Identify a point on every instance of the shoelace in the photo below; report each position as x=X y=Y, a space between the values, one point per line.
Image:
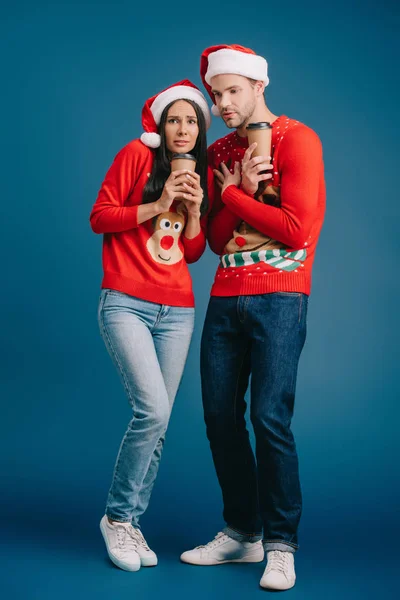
x=277 y=561
x=138 y=537
x=219 y=538
x=124 y=539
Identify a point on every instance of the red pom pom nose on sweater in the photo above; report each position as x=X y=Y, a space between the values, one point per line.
x=167 y=242
x=240 y=241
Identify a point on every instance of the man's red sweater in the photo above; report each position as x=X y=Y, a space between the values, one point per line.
x=287 y=234
x=147 y=260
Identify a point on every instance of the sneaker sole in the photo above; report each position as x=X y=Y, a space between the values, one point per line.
x=149 y=562
x=211 y=563
x=117 y=563
x=277 y=589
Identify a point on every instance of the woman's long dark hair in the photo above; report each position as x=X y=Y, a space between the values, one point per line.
x=162 y=168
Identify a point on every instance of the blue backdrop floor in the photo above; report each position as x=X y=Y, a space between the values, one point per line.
x=65 y=559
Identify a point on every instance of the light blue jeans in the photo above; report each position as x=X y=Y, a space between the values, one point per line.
x=148 y=344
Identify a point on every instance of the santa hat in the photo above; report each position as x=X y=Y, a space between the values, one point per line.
x=233 y=59
x=152 y=110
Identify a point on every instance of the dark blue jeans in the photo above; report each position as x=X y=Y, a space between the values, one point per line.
x=261 y=335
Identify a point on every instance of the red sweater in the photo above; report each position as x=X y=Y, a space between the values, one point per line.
x=149 y=260
x=266 y=248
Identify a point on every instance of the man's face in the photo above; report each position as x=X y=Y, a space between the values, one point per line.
x=235 y=98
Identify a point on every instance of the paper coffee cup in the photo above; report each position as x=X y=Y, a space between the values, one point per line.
x=183 y=161
x=262 y=134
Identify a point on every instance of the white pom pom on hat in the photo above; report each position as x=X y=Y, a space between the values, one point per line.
x=152 y=110
x=152 y=140
x=233 y=59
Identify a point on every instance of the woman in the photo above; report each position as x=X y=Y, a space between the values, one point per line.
x=153 y=221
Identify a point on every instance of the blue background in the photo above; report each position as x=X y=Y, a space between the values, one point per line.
x=74 y=79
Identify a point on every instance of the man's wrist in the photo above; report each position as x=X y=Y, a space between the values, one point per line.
x=243 y=189
x=226 y=187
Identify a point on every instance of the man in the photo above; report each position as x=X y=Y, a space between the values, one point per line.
x=256 y=319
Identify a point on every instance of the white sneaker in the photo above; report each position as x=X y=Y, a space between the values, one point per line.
x=279 y=573
x=223 y=549
x=121 y=544
x=148 y=558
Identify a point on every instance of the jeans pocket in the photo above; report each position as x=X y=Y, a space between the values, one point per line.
x=303 y=307
x=294 y=294
x=111 y=292
x=293 y=305
x=100 y=305
x=114 y=300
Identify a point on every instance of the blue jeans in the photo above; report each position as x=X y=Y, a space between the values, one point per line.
x=148 y=344
x=261 y=335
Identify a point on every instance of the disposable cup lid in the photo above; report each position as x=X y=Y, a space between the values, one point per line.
x=187 y=156
x=260 y=125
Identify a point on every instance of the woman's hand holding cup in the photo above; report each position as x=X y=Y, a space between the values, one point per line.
x=193 y=194
x=173 y=189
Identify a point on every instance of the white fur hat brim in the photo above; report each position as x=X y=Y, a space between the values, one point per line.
x=180 y=92
x=227 y=61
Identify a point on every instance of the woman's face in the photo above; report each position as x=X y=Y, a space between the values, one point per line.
x=181 y=127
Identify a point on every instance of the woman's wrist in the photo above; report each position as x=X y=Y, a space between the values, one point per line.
x=194 y=216
x=158 y=208
x=149 y=211
x=193 y=227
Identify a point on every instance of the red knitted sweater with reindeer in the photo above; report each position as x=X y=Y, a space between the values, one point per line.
x=267 y=244
x=147 y=260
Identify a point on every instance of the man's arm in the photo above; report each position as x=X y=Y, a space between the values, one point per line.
x=221 y=226
x=300 y=166
x=222 y=221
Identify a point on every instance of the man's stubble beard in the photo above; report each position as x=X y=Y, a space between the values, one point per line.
x=244 y=116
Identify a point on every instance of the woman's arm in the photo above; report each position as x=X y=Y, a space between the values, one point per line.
x=194 y=235
x=109 y=213
x=194 y=243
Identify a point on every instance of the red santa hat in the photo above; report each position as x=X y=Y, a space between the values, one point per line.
x=233 y=59
x=152 y=110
